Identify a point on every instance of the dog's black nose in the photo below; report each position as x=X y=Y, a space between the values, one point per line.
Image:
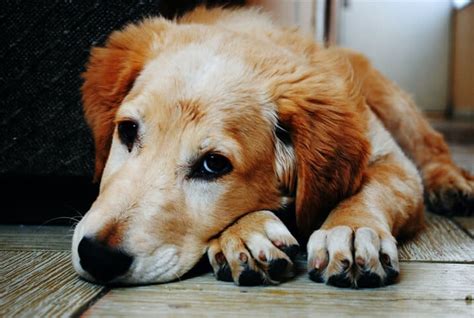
x=101 y=261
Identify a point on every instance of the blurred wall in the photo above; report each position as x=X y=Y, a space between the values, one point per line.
x=408 y=40
x=463 y=60
x=301 y=13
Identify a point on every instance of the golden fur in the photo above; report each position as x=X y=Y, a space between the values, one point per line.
x=223 y=80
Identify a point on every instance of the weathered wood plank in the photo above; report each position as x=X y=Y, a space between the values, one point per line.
x=35 y=237
x=466 y=223
x=440 y=241
x=425 y=289
x=464 y=157
x=41 y=284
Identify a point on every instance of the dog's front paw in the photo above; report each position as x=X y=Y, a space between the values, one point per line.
x=257 y=249
x=448 y=189
x=344 y=258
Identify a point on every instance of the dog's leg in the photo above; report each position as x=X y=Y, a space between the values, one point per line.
x=448 y=188
x=356 y=244
x=257 y=249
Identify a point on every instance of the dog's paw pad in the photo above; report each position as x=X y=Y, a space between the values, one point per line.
x=392 y=275
x=224 y=273
x=369 y=279
x=340 y=280
x=316 y=276
x=277 y=269
x=249 y=277
x=291 y=250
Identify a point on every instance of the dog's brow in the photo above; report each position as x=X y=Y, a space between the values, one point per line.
x=128 y=114
x=191 y=109
x=130 y=107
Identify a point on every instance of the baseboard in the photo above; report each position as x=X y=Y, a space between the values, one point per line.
x=45 y=199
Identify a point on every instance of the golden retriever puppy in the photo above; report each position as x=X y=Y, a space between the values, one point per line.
x=209 y=126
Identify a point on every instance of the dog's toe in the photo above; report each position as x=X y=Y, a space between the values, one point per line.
x=250 y=277
x=392 y=275
x=316 y=276
x=368 y=279
x=291 y=250
x=330 y=256
x=224 y=273
x=277 y=269
x=340 y=280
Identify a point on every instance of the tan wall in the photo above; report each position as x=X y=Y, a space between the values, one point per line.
x=463 y=60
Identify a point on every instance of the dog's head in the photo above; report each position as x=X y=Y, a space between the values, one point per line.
x=195 y=127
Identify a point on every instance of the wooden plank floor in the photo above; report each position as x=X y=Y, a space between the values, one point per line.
x=437 y=280
x=37 y=279
x=425 y=289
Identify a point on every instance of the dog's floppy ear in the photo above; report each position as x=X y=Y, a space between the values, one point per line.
x=109 y=76
x=322 y=114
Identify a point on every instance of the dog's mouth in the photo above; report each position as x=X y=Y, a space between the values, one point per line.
x=200 y=268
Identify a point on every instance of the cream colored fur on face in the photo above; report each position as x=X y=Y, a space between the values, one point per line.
x=186 y=103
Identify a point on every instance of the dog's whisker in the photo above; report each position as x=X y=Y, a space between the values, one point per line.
x=74 y=219
x=79 y=214
x=178 y=278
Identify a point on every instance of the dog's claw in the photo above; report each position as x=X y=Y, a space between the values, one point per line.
x=224 y=273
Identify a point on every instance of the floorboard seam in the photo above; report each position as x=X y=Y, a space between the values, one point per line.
x=82 y=309
x=461 y=227
x=436 y=261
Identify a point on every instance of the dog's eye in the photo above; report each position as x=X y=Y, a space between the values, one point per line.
x=211 y=166
x=128 y=131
